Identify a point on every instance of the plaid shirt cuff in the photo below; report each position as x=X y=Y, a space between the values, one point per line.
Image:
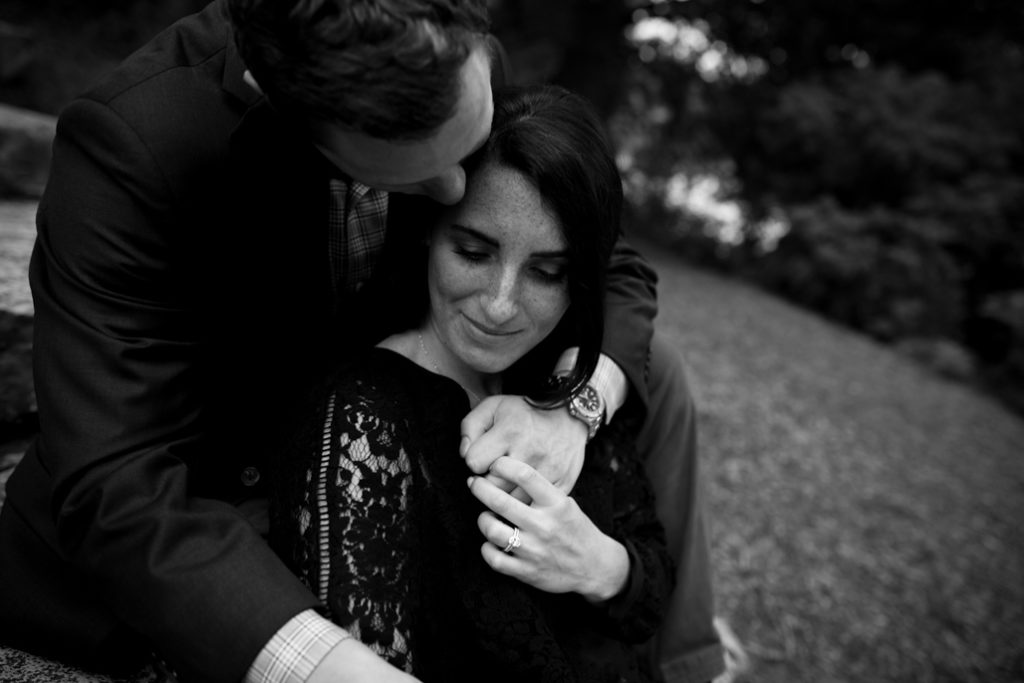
x=296 y=649
x=608 y=378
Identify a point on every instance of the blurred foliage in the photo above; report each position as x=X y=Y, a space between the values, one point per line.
x=577 y=43
x=878 y=270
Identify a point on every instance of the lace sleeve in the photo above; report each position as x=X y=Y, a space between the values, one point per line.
x=346 y=517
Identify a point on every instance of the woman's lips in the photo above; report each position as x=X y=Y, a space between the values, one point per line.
x=488 y=331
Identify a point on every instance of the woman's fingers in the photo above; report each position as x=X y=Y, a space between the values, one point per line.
x=505 y=563
x=498 y=501
x=539 y=489
x=501 y=535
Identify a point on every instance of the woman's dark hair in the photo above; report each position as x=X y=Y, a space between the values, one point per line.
x=555 y=139
x=386 y=68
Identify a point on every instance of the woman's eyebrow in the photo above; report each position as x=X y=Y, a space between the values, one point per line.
x=558 y=254
x=490 y=241
x=475 y=234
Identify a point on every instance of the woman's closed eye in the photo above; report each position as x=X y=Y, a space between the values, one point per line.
x=552 y=273
x=471 y=254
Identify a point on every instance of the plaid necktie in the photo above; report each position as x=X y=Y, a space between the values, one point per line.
x=357 y=222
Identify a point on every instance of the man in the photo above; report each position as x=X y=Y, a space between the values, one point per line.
x=213 y=213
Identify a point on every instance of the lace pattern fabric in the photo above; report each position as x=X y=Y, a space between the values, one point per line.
x=358 y=492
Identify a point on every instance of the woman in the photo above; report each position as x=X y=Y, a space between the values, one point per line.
x=452 y=578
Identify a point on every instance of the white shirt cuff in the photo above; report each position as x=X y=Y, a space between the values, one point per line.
x=296 y=649
x=608 y=378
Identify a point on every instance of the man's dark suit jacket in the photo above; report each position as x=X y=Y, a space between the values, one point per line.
x=182 y=298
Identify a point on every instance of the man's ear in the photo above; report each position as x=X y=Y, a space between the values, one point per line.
x=248 y=78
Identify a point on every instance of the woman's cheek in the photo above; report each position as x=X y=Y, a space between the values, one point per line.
x=548 y=305
x=453 y=278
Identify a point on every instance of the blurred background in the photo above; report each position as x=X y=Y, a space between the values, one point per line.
x=857 y=162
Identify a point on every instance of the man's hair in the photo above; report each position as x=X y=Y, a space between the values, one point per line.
x=387 y=68
x=555 y=139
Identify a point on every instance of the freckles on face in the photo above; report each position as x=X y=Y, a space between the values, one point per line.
x=497 y=271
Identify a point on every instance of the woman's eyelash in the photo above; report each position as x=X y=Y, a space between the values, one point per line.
x=470 y=254
x=558 y=275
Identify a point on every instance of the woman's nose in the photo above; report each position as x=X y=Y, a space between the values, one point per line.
x=503 y=299
x=448 y=187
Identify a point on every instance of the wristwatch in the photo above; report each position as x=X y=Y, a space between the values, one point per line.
x=588 y=407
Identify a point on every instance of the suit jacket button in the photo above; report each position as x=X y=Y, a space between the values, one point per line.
x=250 y=475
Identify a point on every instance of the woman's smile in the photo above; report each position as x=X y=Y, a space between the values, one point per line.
x=487 y=331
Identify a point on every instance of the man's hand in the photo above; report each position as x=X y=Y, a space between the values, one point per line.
x=352 y=662
x=550 y=441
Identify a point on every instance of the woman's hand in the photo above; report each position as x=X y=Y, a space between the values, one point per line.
x=560 y=549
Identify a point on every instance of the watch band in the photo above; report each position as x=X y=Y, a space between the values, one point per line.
x=588 y=407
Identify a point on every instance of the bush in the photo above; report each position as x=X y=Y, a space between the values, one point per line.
x=875 y=271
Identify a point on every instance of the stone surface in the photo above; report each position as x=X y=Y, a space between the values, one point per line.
x=17 y=234
x=18 y=46
x=25 y=141
x=21 y=667
x=8 y=462
x=18 y=418
x=17 y=396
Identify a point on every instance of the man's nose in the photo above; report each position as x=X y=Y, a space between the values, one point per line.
x=448 y=187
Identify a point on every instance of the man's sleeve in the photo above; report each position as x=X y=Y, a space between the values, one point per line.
x=636 y=613
x=296 y=649
x=630 y=308
x=121 y=407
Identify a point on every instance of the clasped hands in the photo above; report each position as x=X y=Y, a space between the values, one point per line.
x=529 y=459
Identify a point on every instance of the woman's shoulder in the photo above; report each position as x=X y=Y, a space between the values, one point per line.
x=389 y=399
x=391 y=380
x=376 y=367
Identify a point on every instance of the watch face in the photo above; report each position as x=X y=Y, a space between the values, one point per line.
x=588 y=407
x=588 y=401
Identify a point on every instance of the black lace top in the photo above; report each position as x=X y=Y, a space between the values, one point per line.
x=373 y=512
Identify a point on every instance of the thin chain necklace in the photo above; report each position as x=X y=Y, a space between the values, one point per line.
x=430 y=359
